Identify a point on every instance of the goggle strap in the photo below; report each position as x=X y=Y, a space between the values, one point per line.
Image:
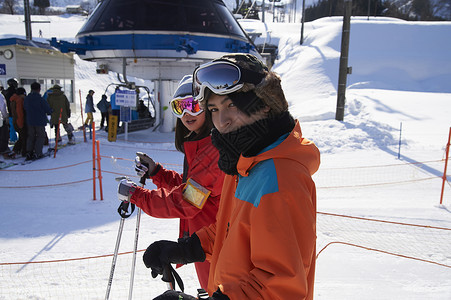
x=251 y=76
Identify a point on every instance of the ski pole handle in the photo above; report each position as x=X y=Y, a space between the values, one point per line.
x=123 y=209
x=142 y=181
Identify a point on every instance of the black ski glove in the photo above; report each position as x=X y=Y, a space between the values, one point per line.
x=161 y=254
x=145 y=166
x=176 y=295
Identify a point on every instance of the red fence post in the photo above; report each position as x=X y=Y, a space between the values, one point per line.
x=446 y=166
x=99 y=170
x=93 y=161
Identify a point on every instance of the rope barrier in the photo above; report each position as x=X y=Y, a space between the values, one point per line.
x=326 y=246
x=45 y=185
x=67 y=259
x=383 y=166
x=377 y=184
x=382 y=221
x=49 y=169
x=382 y=251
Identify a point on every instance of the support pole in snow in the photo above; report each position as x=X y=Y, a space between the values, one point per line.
x=27 y=20
x=446 y=166
x=344 y=70
x=302 y=22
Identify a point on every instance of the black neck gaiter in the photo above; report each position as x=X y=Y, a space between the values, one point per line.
x=249 y=140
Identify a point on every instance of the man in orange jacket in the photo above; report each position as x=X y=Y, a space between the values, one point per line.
x=262 y=245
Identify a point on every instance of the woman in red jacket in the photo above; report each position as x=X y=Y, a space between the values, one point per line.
x=194 y=195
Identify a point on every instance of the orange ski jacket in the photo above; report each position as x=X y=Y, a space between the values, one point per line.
x=262 y=245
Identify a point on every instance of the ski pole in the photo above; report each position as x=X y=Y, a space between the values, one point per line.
x=113 y=264
x=123 y=211
x=142 y=181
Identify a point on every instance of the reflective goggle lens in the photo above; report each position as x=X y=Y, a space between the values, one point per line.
x=219 y=77
x=187 y=104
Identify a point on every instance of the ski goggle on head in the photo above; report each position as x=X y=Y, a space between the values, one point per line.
x=222 y=78
x=183 y=105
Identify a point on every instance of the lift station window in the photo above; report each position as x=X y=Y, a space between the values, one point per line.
x=203 y=16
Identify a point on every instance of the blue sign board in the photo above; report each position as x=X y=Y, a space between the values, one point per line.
x=2 y=69
x=126 y=98
x=126 y=114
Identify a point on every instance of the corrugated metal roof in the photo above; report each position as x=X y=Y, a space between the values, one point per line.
x=23 y=42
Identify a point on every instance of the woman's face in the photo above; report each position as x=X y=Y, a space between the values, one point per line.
x=193 y=123
x=227 y=117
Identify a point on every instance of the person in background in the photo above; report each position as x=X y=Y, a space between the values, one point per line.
x=20 y=125
x=262 y=245
x=194 y=195
x=89 y=109
x=143 y=110
x=36 y=111
x=47 y=93
x=104 y=106
x=60 y=105
x=11 y=90
x=4 y=129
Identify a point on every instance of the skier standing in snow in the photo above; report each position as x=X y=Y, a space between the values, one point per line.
x=177 y=195
x=89 y=108
x=36 y=109
x=262 y=245
x=60 y=105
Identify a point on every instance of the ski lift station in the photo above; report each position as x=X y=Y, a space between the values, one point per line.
x=159 y=41
x=29 y=61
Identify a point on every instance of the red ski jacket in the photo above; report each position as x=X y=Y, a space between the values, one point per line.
x=167 y=202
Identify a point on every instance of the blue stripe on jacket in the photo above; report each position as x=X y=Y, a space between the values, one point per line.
x=262 y=179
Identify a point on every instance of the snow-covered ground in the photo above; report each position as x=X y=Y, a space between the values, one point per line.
x=401 y=74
